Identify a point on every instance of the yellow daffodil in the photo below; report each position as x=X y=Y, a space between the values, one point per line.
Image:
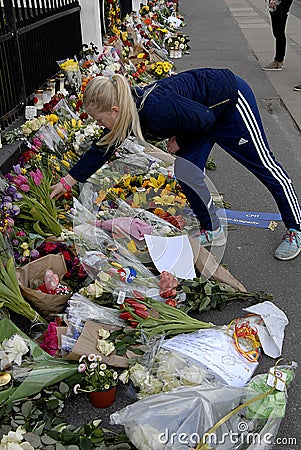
x=23 y=171
x=164 y=200
x=66 y=164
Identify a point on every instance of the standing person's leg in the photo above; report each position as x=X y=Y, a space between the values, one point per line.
x=243 y=137
x=278 y=21
x=189 y=171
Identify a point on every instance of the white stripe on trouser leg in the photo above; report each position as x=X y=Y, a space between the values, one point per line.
x=266 y=158
x=210 y=203
x=270 y=163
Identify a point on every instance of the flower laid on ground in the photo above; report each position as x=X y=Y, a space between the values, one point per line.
x=103 y=344
x=156 y=318
x=204 y=295
x=10 y=294
x=25 y=131
x=36 y=205
x=161 y=69
x=177 y=42
x=12 y=351
x=81 y=136
x=14 y=440
x=72 y=71
x=95 y=376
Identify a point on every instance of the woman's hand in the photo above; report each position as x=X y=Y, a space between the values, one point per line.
x=57 y=191
x=63 y=186
x=172 y=145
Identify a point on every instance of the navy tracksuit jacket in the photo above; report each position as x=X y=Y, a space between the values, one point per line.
x=202 y=107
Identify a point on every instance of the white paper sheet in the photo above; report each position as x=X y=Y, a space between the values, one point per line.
x=173 y=254
x=272 y=335
x=214 y=349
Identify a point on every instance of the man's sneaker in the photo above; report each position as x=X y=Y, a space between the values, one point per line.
x=275 y=65
x=297 y=87
x=290 y=246
x=215 y=238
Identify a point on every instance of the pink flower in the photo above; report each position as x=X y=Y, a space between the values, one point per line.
x=20 y=233
x=36 y=143
x=20 y=179
x=24 y=187
x=36 y=176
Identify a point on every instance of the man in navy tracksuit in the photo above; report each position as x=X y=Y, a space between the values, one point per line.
x=194 y=110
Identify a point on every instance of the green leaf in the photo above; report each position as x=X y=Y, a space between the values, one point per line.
x=59 y=446
x=26 y=409
x=47 y=440
x=85 y=443
x=64 y=388
x=33 y=439
x=137 y=351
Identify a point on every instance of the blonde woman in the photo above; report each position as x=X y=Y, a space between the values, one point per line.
x=193 y=110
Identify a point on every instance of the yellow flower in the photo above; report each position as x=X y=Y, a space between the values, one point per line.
x=66 y=164
x=38 y=157
x=140 y=55
x=52 y=118
x=26 y=253
x=24 y=246
x=23 y=171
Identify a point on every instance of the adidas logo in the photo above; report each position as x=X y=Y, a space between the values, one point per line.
x=242 y=141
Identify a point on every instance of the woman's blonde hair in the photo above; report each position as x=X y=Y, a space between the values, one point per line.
x=105 y=92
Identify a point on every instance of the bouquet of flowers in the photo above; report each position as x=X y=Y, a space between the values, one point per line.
x=161 y=69
x=72 y=72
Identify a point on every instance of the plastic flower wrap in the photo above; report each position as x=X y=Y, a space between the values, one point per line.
x=206 y=417
x=72 y=72
x=163 y=371
x=38 y=371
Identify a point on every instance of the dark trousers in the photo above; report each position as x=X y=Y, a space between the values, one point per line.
x=279 y=19
x=242 y=136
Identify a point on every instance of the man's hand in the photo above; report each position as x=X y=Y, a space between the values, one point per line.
x=172 y=146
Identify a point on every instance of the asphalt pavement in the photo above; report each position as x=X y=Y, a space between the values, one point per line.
x=236 y=34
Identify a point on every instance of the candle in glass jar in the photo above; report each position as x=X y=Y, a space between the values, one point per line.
x=47 y=94
x=38 y=98
x=51 y=83
x=60 y=82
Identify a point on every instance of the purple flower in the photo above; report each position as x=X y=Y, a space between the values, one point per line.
x=34 y=254
x=10 y=178
x=8 y=205
x=17 y=255
x=15 y=210
x=7 y=198
x=17 y=169
x=15 y=241
x=17 y=197
x=11 y=190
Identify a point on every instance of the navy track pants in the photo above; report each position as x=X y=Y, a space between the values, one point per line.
x=243 y=137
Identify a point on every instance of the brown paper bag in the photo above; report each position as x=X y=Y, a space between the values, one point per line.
x=32 y=275
x=86 y=343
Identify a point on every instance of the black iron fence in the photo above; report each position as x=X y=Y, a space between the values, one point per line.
x=34 y=34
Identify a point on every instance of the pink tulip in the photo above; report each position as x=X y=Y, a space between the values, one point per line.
x=24 y=187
